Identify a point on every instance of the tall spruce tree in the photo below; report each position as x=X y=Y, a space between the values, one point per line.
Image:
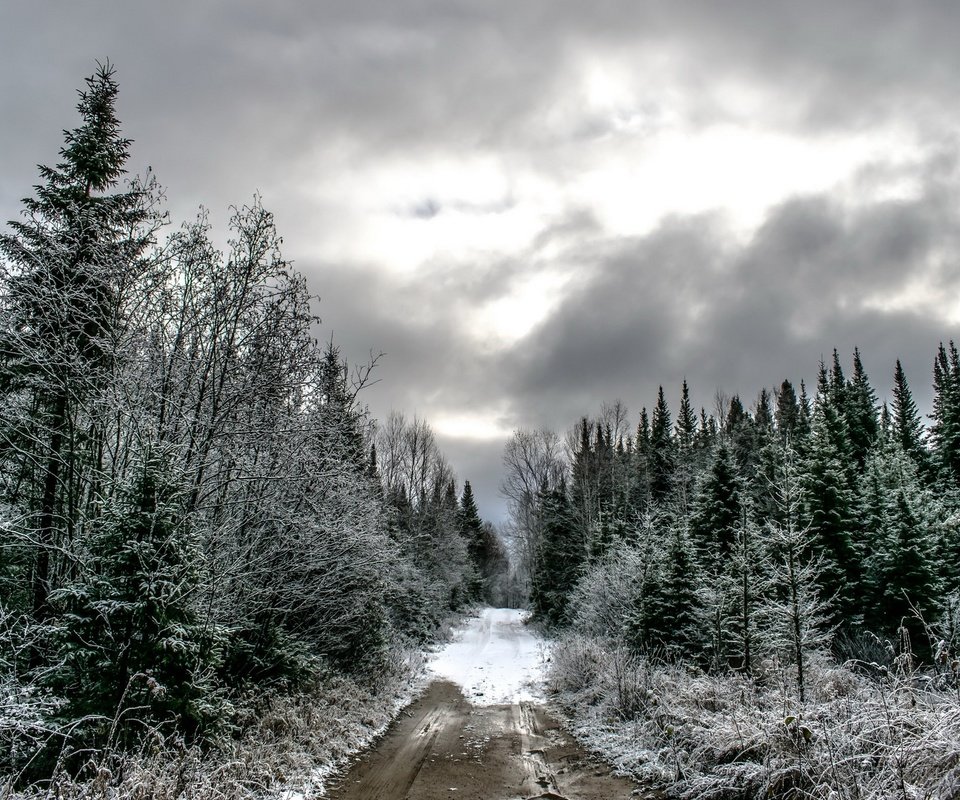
x=717 y=514
x=640 y=492
x=686 y=453
x=787 y=411
x=471 y=529
x=902 y=577
x=674 y=612
x=907 y=427
x=662 y=452
x=798 y=617
x=560 y=557
x=860 y=410
x=945 y=430
x=902 y=518
x=72 y=261
x=829 y=507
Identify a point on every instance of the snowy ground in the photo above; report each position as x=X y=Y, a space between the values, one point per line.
x=494 y=658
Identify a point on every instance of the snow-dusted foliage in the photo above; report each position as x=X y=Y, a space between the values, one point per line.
x=285 y=745
x=874 y=737
x=195 y=530
x=762 y=602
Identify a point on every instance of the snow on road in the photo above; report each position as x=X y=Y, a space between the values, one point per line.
x=494 y=658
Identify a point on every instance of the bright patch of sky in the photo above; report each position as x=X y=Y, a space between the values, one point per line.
x=476 y=426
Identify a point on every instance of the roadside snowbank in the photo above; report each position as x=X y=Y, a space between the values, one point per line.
x=494 y=658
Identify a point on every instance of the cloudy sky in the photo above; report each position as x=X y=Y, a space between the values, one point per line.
x=536 y=206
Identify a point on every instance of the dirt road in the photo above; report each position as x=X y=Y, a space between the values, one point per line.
x=501 y=746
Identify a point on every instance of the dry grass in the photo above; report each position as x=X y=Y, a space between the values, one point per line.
x=884 y=737
x=288 y=748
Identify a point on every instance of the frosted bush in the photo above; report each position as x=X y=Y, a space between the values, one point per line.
x=729 y=736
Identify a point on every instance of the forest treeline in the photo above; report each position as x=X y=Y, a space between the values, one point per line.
x=197 y=511
x=796 y=525
x=759 y=602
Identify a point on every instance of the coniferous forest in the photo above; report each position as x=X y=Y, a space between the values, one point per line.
x=217 y=569
x=203 y=532
x=761 y=600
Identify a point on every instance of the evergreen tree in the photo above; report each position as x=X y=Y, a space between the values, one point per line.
x=907 y=427
x=686 y=455
x=829 y=509
x=72 y=261
x=585 y=478
x=472 y=530
x=902 y=577
x=686 y=428
x=750 y=582
x=134 y=638
x=674 y=613
x=742 y=436
x=901 y=516
x=837 y=385
x=706 y=434
x=714 y=523
x=469 y=522
x=945 y=430
x=640 y=490
x=804 y=420
x=342 y=431
x=787 y=411
x=860 y=410
x=373 y=472
x=662 y=452
x=560 y=558
x=763 y=416
x=797 y=616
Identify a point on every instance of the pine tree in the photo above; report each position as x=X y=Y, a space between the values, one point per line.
x=750 y=581
x=560 y=558
x=640 y=491
x=686 y=455
x=742 y=436
x=902 y=576
x=134 y=638
x=718 y=511
x=907 y=427
x=797 y=616
x=584 y=483
x=674 y=613
x=804 y=420
x=72 y=262
x=373 y=471
x=686 y=428
x=787 y=411
x=829 y=508
x=901 y=516
x=860 y=410
x=837 y=385
x=945 y=430
x=662 y=452
x=342 y=430
x=706 y=434
x=471 y=529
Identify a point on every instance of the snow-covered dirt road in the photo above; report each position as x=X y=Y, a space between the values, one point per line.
x=480 y=732
x=495 y=658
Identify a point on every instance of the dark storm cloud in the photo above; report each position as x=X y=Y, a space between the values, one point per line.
x=686 y=301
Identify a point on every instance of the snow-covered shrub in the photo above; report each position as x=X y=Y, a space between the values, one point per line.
x=605 y=596
x=730 y=736
x=26 y=710
x=287 y=744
